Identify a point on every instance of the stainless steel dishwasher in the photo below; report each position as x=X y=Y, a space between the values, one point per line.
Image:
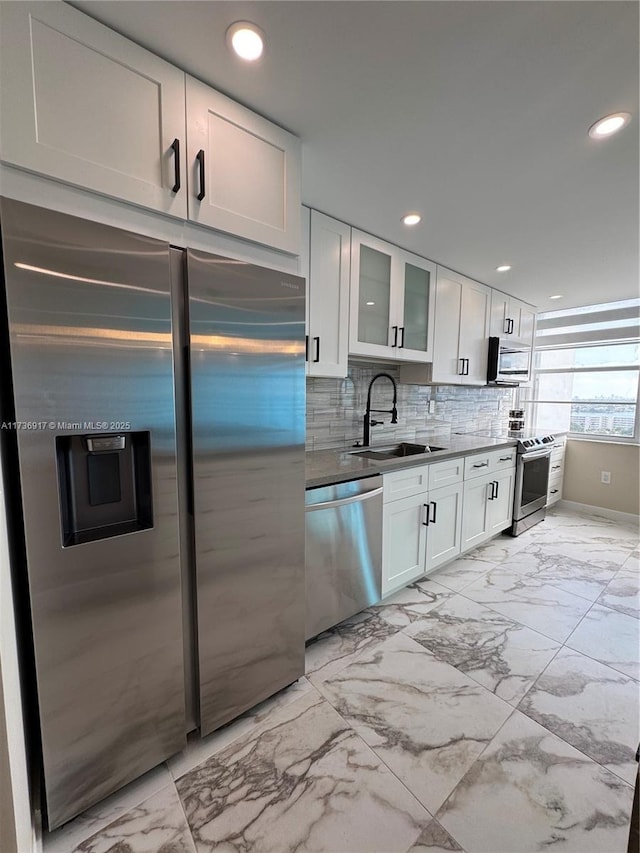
x=343 y=551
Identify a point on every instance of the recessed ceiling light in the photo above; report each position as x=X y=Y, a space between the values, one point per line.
x=503 y=268
x=371 y=303
x=608 y=125
x=246 y=40
x=411 y=218
x=557 y=296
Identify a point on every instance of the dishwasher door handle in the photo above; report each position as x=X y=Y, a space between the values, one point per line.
x=363 y=496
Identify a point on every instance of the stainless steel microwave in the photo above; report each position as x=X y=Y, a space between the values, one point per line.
x=508 y=363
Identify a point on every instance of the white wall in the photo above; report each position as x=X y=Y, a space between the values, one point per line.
x=585 y=460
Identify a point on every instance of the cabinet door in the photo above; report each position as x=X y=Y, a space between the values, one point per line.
x=328 y=296
x=474 y=326
x=474 y=512
x=373 y=267
x=403 y=542
x=444 y=533
x=499 y=327
x=526 y=322
x=415 y=307
x=86 y=106
x=446 y=365
x=500 y=507
x=244 y=171
x=303 y=270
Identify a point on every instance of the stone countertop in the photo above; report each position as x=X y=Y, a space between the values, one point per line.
x=326 y=467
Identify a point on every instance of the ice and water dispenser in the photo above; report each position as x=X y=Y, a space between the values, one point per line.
x=105 y=485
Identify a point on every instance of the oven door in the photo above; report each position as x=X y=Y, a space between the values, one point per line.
x=532 y=481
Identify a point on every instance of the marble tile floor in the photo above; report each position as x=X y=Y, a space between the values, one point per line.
x=491 y=708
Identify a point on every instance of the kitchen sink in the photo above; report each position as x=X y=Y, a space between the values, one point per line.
x=396 y=451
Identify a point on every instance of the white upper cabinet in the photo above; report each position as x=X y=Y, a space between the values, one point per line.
x=86 y=106
x=512 y=319
x=329 y=256
x=244 y=171
x=392 y=301
x=461 y=330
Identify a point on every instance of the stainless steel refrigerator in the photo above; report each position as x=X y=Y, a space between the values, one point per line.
x=154 y=427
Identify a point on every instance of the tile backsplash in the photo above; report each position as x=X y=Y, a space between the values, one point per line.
x=335 y=408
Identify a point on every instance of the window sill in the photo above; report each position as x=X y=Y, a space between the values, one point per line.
x=603 y=439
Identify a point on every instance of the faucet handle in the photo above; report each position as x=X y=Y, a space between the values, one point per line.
x=394 y=415
x=376 y=423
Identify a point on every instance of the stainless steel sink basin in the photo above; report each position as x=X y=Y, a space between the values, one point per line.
x=396 y=451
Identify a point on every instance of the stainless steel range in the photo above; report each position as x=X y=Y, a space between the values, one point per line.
x=532 y=481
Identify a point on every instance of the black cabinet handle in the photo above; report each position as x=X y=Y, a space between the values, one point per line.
x=306 y=347
x=497 y=488
x=505 y=325
x=466 y=373
x=200 y=159
x=401 y=337
x=511 y=324
x=434 y=505
x=480 y=465
x=461 y=371
x=317 y=358
x=175 y=145
x=554 y=491
x=505 y=459
x=395 y=336
x=491 y=494
x=555 y=467
x=426 y=523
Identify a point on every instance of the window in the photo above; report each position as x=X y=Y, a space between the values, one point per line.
x=587 y=371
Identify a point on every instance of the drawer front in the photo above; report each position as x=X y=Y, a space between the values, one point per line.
x=556 y=468
x=502 y=460
x=446 y=473
x=558 y=446
x=477 y=465
x=554 y=491
x=405 y=483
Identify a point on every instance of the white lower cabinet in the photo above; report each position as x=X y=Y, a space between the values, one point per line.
x=404 y=539
x=445 y=525
x=422 y=528
x=556 y=471
x=488 y=496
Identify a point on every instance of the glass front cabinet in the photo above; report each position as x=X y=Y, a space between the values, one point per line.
x=392 y=301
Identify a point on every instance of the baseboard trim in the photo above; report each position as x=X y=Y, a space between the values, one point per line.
x=598 y=510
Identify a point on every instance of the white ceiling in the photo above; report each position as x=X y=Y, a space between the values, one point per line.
x=473 y=113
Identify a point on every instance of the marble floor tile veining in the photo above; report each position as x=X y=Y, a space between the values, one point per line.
x=426 y=720
x=499 y=653
x=611 y=637
x=303 y=781
x=623 y=592
x=157 y=825
x=531 y=791
x=538 y=605
x=489 y=708
x=591 y=706
x=332 y=650
x=412 y=603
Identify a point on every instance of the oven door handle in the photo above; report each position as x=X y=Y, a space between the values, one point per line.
x=536 y=454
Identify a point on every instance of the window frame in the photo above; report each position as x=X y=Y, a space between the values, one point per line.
x=534 y=401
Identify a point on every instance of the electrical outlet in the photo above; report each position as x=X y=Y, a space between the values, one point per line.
x=432 y=407
x=605 y=477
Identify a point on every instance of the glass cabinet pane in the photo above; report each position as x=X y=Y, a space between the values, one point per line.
x=416 y=307
x=374 y=296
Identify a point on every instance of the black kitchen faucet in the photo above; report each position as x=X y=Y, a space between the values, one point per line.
x=392 y=411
